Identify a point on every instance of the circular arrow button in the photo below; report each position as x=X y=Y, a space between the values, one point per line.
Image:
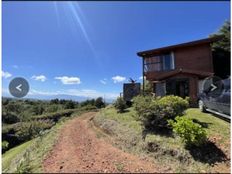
x=213 y=86
x=19 y=87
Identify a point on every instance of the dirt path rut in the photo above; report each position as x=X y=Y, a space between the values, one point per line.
x=79 y=150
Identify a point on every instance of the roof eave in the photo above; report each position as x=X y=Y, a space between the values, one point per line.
x=172 y=47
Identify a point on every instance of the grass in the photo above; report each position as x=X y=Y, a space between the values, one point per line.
x=168 y=151
x=36 y=149
x=13 y=153
x=214 y=126
x=128 y=118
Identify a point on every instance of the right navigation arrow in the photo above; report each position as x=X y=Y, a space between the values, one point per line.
x=214 y=87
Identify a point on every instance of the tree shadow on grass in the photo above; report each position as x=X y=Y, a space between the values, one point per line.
x=203 y=124
x=207 y=153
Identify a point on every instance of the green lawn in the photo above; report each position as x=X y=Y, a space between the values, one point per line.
x=214 y=125
x=169 y=150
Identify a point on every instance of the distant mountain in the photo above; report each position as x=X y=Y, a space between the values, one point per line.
x=60 y=96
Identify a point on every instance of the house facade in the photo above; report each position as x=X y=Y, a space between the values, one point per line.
x=179 y=69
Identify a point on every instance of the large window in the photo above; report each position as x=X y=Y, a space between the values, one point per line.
x=159 y=63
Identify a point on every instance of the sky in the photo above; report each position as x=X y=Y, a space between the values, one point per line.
x=88 y=49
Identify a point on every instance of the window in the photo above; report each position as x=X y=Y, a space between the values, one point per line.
x=159 y=63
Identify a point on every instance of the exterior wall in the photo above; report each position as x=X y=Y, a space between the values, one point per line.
x=160 y=89
x=197 y=58
x=193 y=90
x=193 y=87
x=200 y=86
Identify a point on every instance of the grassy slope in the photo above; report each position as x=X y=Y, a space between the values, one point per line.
x=181 y=161
x=12 y=153
x=36 y=148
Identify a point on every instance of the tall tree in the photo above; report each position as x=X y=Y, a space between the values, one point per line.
x=221 y=51
x=223 y=43
x=99 y=103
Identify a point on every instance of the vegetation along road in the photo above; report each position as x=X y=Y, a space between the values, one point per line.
x=79 y=150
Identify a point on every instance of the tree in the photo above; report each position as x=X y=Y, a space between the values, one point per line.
x=38 y=109
x=148 y=87
x=70 y=104
x=99 y=102
x=88 y=102
x=54 y=101
x=120 y=105
x=221 y=51
x=223 y=43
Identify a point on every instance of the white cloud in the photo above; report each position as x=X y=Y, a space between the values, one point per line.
x=118 y=79
x=41 y=78
x=103 y=82
x=69 y=80
x=6 y=74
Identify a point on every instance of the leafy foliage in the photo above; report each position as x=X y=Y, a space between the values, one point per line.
x=221 y=51
x=142 y=103
x=23 y=166
x=154 y=112
x=191 y=133
x=171 y=106
x=223 y=43
x=5 y=146
x=9 y=117
x=99 y=103
x=26 y=119
x=148 y=87
x=120 y=105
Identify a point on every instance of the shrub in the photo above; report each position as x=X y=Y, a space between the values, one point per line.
x=88 y=107
x=154 y=112
x=29 y=130
x=99 y=103
x=10 y=118
x=142 y=103
x=5 y=146
x=69 y=104
x=191 y=133
x=55 y=116
x=120 y=105
x=171 y=106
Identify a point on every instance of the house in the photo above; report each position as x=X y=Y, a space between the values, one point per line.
x=179 y=69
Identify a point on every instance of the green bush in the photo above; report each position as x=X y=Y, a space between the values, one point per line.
x=191 y=133
x=171 y=106
x=5 y=145
x=55 y=116
x=154 y=112
x=10 y=118
x=29 y=130
x=142 y=103
x=99 y=103
x=120 y=105
x=88 y=108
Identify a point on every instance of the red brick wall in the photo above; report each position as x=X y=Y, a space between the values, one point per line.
x=194 y=58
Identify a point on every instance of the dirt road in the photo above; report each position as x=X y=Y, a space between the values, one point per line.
x=79 y=150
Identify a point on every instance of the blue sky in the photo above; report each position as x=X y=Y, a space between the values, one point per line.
x=89 y=48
